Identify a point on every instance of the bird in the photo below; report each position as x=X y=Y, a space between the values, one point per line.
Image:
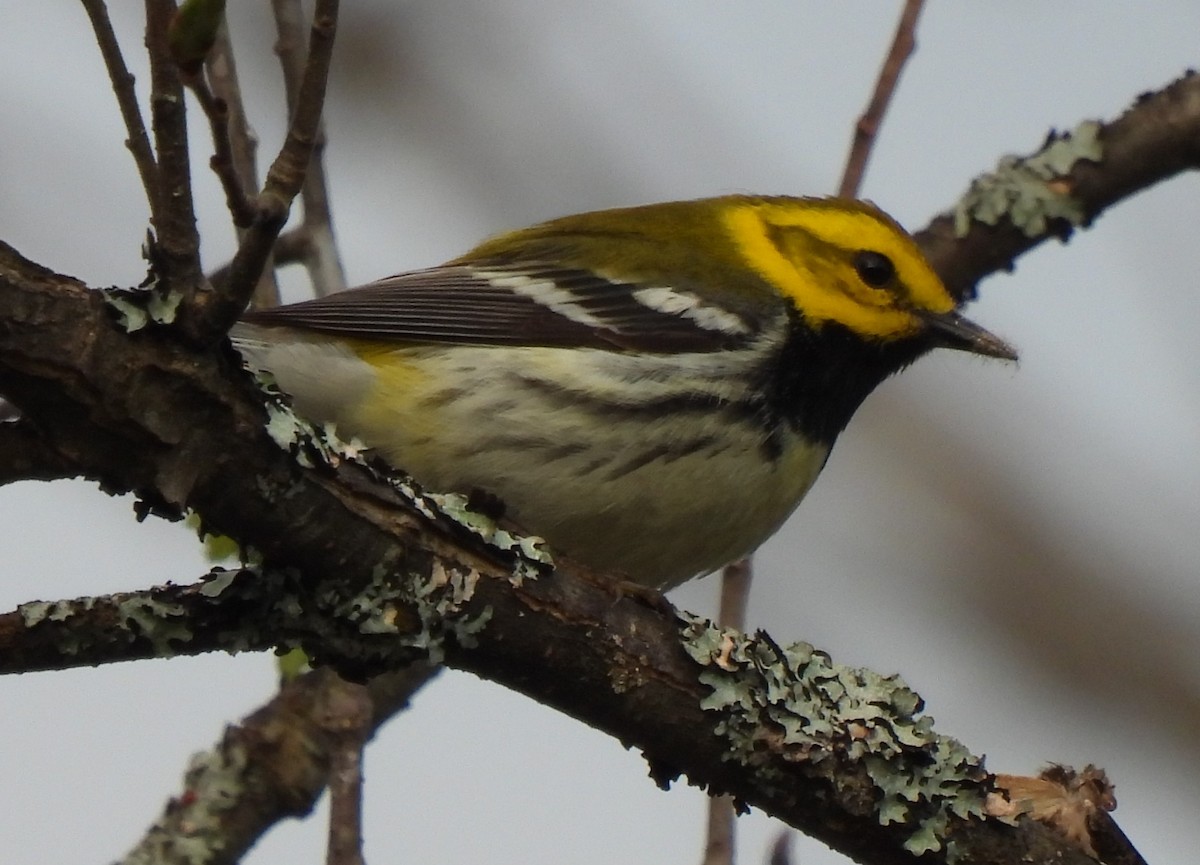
x=650 y=389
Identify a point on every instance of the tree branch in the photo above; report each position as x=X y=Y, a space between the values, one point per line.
x=222 y=161
x=1044 y=196
x=177 y=242
x=25 y=456
x=137 y=140
x=720 y=840
x=814 y=754
x=346 y=715
x=321 y=255
x=286 y=174
x=868 y=124
x=221 y=69
x=271 y=766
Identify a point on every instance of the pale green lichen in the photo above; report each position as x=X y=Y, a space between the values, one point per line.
x=218 y=581
x=138 y=308
x=1022 y=189
x=68 y=641
x=132 y=317
x=440 y=602
x=796 y=703
x=192 y=830
x=375 y=609
x=529 y=550
x=163 y=306
x=414 y=612
x=165 y=625
x=386 y=606
x=311 y=444
x=35 y=612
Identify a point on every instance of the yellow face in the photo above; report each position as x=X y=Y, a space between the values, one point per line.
x=841 y=261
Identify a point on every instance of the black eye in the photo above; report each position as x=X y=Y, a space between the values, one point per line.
x=874 y=268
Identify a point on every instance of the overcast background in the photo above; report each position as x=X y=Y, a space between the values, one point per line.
x=1021 y=542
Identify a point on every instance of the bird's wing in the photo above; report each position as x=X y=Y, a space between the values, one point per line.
x=525 y=304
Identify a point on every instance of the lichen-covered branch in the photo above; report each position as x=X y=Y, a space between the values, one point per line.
x=271 y=766
x=153 y=623
x=1066 y=184
x=840 y=753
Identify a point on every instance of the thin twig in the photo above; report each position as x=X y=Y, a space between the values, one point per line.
x=289 y=47
x=322 y=259
x=119 y=75
x=175 y=220
x=291 y=247
x=221 y=69
x=347 y=720
x=287 y=172
x=735 y=593
x=721 y=835
x=721 y=841
x=781 y=849
x=868 y=124
x=222 y=162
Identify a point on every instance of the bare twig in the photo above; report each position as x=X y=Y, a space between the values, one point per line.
x=291 y=247
x=347 y=719
x=735 y=593
x=289 y=46
x=323 y=261
x=868 y=124
x=137 y=140
x=321 y=258
x=720 y=847
x=175 y=220
x=781 y=849
x=721 y=836
x=287 y=172
x=221 y=69
x=222 y=162
x=223 y=78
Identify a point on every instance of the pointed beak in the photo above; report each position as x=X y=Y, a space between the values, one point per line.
x=951 y=330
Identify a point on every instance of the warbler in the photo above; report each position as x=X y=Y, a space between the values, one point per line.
x=651 y=389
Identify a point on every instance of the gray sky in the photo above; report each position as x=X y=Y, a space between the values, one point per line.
x=1020 y=542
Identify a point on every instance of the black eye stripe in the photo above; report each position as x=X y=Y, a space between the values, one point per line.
x=874 y=268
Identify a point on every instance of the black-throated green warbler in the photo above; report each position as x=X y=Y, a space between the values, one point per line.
x=651 y=389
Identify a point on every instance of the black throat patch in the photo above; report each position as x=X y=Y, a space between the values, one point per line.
x=820 y=377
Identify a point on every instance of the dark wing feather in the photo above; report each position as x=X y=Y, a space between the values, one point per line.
x=510 y=305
